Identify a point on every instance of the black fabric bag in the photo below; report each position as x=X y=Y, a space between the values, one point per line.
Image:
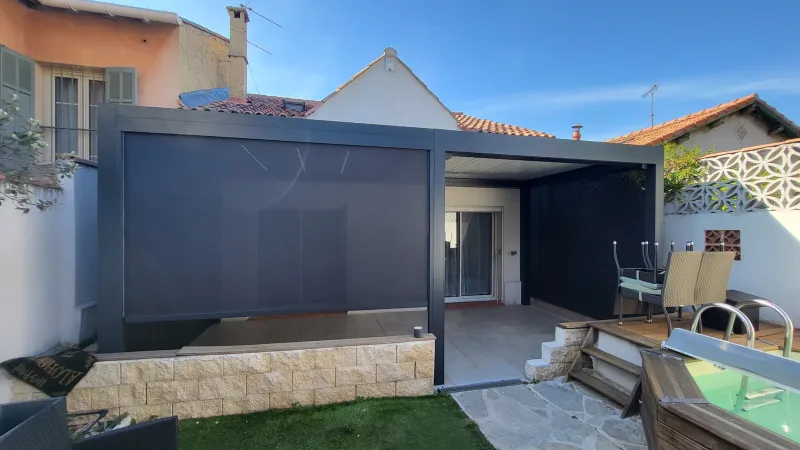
x=55 y=375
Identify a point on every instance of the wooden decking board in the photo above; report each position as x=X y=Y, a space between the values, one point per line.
x=733 y=429
x=628 y=334
x=691 y=431
x=613 y=360
x=676 y=439
x=636 y=330
x=668 y=377
x=600 y=386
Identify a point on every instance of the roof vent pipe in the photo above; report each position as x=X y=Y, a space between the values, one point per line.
x=576 y=135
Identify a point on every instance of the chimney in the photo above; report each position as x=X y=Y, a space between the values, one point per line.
x=237 y=52
x=576 y=135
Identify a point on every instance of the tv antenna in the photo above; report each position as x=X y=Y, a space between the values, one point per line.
x=244 y=5
x=652 y=93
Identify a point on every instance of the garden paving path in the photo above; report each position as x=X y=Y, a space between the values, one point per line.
x=551 y=415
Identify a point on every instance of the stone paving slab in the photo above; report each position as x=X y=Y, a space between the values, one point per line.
x=550 y=415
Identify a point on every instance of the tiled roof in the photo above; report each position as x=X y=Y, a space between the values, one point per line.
x=261 y=105
x=469 y=123
x=266 y=105
x=675 y=128
x=753 y=148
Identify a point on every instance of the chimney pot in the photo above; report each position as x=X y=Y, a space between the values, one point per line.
x=576 y=135
x=237 y=53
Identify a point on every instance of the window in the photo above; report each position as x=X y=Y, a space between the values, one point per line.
x=71 y=116
x=73 y=119
x=294 y=105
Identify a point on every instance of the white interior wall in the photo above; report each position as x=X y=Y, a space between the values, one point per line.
x=508 y=200
x=770 y=245
x=381 y=97
x=724 y=137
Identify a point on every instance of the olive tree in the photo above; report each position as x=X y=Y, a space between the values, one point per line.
x=22 y=167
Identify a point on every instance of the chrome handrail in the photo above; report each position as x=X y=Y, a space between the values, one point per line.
x=751 y=339
x=751 y=335
x=760 y=303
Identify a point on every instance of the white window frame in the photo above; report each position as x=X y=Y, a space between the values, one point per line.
x=84 y=75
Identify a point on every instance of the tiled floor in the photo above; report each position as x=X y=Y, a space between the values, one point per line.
x=481 y=344
x=484 y=344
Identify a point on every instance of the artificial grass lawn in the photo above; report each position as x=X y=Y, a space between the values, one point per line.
x=391 y=423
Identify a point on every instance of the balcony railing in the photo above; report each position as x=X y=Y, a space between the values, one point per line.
x=81 y=141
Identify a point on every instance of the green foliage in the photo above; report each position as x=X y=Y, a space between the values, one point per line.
x=21 y=162
x=681 y=168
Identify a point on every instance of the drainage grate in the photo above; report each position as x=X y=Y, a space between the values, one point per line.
x=478 y=386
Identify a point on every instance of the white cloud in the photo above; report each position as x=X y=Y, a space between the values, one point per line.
x=678 y=89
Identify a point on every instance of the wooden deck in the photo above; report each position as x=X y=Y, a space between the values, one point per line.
x=635 y=329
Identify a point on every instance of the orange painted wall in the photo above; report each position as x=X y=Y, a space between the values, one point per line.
x=91 y=40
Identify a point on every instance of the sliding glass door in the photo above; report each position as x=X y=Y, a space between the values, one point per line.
x=470 y=255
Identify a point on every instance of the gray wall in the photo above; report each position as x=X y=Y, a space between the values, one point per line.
x=233 y=227
x=86 y=248
x=569 y=225
x=86 y=235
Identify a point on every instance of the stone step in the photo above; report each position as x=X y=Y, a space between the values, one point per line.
x=556 y=353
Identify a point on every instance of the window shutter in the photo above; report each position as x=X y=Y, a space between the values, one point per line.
x=16 y=77
x=121 y=85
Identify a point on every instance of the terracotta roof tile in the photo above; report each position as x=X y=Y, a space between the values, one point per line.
x=261 y=105
x=753 y=148
x=675 y=128
x=470 y=123
x=266 y=105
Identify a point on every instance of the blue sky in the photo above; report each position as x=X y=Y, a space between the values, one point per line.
x=545 y=65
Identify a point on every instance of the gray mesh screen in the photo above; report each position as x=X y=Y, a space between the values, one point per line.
x=242 y=227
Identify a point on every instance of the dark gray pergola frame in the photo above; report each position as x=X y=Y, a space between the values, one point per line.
x=116 y=120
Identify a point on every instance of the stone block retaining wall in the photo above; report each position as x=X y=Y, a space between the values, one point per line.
x=557 y=355
x=221 y=384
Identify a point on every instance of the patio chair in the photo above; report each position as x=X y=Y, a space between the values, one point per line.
x=712 y=279
x=648 y=276
x=678 y=289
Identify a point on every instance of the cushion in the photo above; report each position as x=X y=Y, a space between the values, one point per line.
x=640 y=282
x=639 y=288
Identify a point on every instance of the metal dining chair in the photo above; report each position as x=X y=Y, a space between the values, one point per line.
x=648 y=275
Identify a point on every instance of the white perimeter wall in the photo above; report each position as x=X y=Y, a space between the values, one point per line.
x=508 y=199
x=48 y=283
x=37 y=275
x=380 y=97
x=770 y=244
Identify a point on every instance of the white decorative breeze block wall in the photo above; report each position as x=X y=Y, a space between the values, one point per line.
x=764 y=179
x=757 y=193
x=214 y=385
x=557 y=355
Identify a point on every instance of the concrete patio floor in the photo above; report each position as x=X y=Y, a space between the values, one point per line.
x=550 y=415
x=493 y=343
x=482 y=343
